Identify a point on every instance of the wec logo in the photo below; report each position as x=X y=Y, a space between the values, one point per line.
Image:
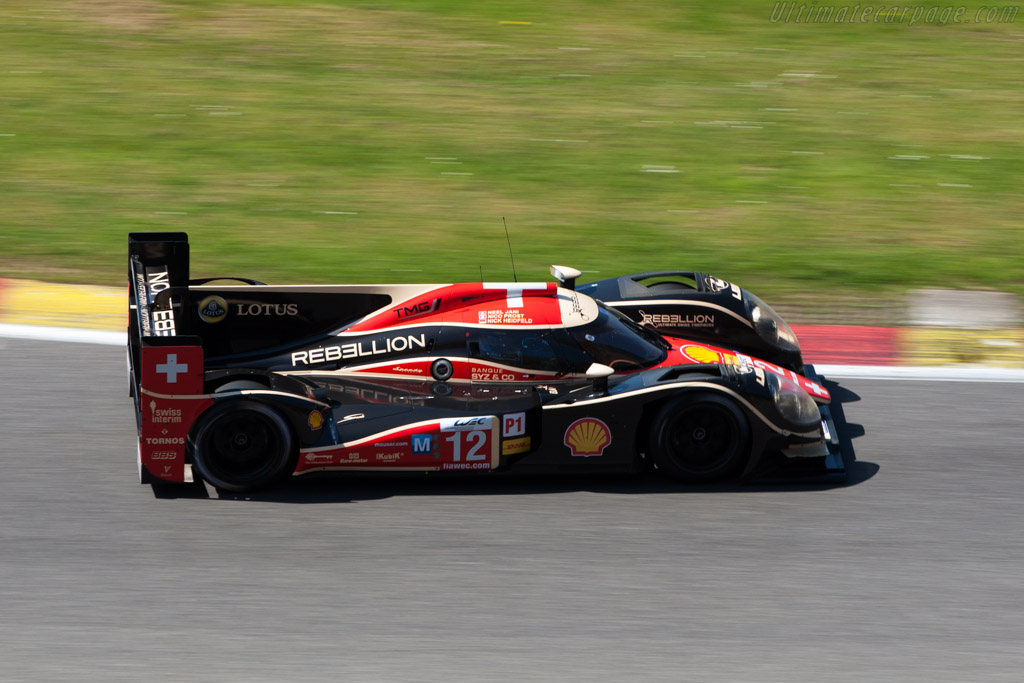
x=460 y=424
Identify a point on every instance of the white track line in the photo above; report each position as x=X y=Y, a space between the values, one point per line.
x=946 y=373
x=63 y=334
x=929 y=373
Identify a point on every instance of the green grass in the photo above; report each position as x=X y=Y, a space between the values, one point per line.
x=298 y=141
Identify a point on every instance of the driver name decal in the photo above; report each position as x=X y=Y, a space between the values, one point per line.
x=513 y=316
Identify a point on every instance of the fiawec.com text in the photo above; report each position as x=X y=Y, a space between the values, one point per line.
x=813 y=13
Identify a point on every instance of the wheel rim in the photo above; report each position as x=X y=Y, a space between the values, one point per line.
x=242 y=446
x=704 y=438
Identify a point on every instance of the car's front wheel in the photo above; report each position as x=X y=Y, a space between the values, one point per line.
x=700 y=439
x=243 y=446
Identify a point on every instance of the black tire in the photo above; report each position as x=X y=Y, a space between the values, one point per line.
x=243 y=446
x=699 y=439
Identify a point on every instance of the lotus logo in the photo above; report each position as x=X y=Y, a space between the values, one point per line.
x=587 y=436
x=212 y=309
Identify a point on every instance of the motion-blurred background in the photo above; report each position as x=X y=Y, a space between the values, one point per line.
x=384 y=141
x=844 y=171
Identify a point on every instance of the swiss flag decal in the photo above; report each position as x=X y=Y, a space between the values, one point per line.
x=172 y=369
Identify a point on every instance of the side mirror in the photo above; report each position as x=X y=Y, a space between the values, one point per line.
x=599 y=374
x=566 y=276
x=597 y=371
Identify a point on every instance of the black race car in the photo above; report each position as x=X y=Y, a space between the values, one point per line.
x=246 y=384
x=702 y=307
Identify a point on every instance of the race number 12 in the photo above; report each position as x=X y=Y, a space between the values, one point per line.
x=473 y=444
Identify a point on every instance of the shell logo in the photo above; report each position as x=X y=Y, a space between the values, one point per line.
x=701 y=354
x=316 y=420
x=587 y=436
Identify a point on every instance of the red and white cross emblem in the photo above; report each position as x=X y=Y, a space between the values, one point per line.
x=514 y=290
x=171 y=369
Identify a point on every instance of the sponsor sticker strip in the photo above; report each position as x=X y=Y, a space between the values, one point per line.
x=172 y=384
x=702 y=353
x=465 y=370
x=450 y=444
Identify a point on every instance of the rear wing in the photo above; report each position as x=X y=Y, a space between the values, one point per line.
x=157 y=262
x=164 y=367
x=157 y=284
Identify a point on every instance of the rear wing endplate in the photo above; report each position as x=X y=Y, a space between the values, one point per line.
x=158 y=274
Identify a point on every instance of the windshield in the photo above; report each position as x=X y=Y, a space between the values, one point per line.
x=616 y=341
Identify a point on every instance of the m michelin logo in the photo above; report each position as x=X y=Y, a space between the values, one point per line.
x=422 y=444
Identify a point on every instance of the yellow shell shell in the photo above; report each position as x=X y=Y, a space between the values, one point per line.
x=702 y=354
x=588 y=437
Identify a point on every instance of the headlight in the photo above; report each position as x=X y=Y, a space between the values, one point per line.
x=770 y=326
x=793 y=403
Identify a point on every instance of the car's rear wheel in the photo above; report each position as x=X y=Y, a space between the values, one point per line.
x=240 y=385
x=700 y=439
x=243 y=446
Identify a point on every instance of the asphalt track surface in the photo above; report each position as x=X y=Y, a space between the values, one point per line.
x=910 y=572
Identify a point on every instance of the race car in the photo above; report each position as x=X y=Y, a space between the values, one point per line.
x=246 y=385
x=699 y=306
